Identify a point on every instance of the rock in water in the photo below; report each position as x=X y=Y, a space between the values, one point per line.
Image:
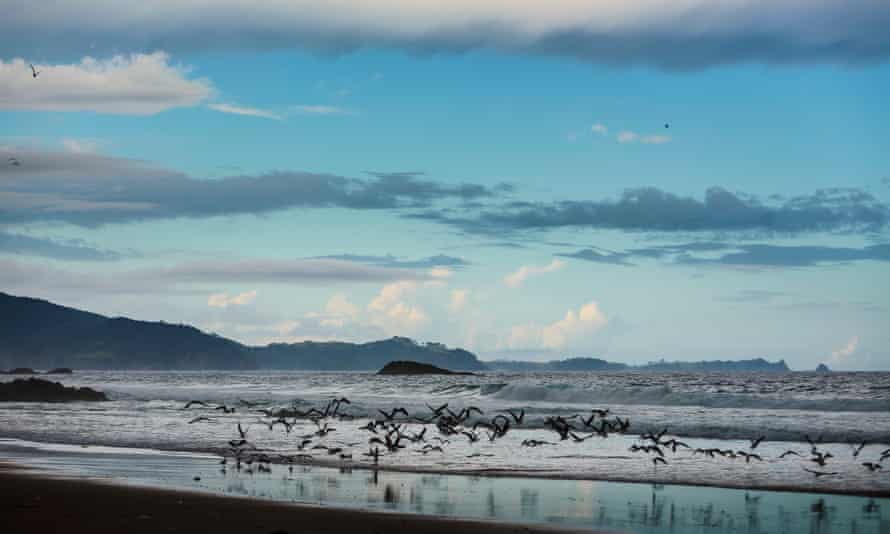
x=415 y=368
x=39 y=390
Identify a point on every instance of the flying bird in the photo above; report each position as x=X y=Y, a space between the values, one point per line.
x=34 y=71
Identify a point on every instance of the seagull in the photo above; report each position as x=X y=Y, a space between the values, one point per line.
x=658 y=459
x=872 y=466
x=242 y=432
x=34 y=72
x=517 y=418
x=858 y=449
x=191 y=403
x=789 y=453
x=756 y=442
x=199 y=419
x=14 y=162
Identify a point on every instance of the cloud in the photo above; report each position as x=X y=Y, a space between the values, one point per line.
x=626 y=137
x=842 y=356
x=570 y=330
x=21 y=244
x=241 y=110
x=319 y=110
x=792 y=256
x=739 y=254
x=655 y=139
x=439 y=260
x=458 y=300
x=649 y=209
x=93 y=190
x=80 y=146
x=599 y=129
x=194 y=277
x=138 y=84
x=516 y=279
x=595 y=256
x=671 y=35
x=223 y=300
x=390 y=311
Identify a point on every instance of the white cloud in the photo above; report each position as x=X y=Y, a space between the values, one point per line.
x=319 y=110
x=241 y=110
x=223 y=300
x=458 y=299
x=655 y=139
x=80 y=146
x=517 y=278
x=566 y=332
x=599 y=129
x=627 y=137
x=138 y=84
x=390 y=311
x=843 y=355
x=587 y=319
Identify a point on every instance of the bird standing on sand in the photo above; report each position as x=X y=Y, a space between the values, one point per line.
x=34 y=71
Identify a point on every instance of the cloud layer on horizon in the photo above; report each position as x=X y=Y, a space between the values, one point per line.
x=687 y=34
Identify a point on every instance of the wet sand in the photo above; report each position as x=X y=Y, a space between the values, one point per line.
x=36 y=504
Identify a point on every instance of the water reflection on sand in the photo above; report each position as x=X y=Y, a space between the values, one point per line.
x=606 y=506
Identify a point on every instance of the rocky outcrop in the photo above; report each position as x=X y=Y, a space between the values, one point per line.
x=39 y=390
x=415 y=368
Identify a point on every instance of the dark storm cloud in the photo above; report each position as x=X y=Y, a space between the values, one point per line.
x=19 y=244
x=92 y=190
x=670 y=35
x=653 y=210
x=440 y=260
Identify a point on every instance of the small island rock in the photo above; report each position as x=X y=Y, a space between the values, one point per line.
x=415 y=368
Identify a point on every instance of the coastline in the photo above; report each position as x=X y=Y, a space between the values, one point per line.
x=37 y=502
x=540 y=474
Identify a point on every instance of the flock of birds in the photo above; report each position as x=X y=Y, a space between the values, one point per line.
x=389 y=433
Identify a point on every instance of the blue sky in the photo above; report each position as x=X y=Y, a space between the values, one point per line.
x=500 y=193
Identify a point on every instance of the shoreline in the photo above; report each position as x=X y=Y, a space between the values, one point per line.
x=37 y=502
x=543 y=474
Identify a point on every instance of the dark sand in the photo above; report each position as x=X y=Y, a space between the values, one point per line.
x=35 y=504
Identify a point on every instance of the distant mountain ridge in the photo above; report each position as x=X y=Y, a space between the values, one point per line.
x=596 y=364
x=39 y=334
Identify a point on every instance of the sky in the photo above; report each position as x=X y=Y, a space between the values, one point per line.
x=700 y=179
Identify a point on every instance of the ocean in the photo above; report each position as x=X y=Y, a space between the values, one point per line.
x=704 y=410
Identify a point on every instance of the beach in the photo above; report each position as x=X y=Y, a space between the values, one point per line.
x=38 y=504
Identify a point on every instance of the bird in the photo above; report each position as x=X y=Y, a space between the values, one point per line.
x=517 y=418
x=658 y=459
x=580 y=439
x=471 y=435
x=756 y=442
x=748 y=456
x=389 y=416
x=666 y=125
x=14 y=162
x=437 y=412
x=199 y=419
x=871 y=466
x=858 y=449
x=191 y=403
x=242 y=431
x=34 y=71
x=789 y=453
x=225 y=409
x=821 y=458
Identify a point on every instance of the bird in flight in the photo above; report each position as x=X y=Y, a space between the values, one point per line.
x=34 y=71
